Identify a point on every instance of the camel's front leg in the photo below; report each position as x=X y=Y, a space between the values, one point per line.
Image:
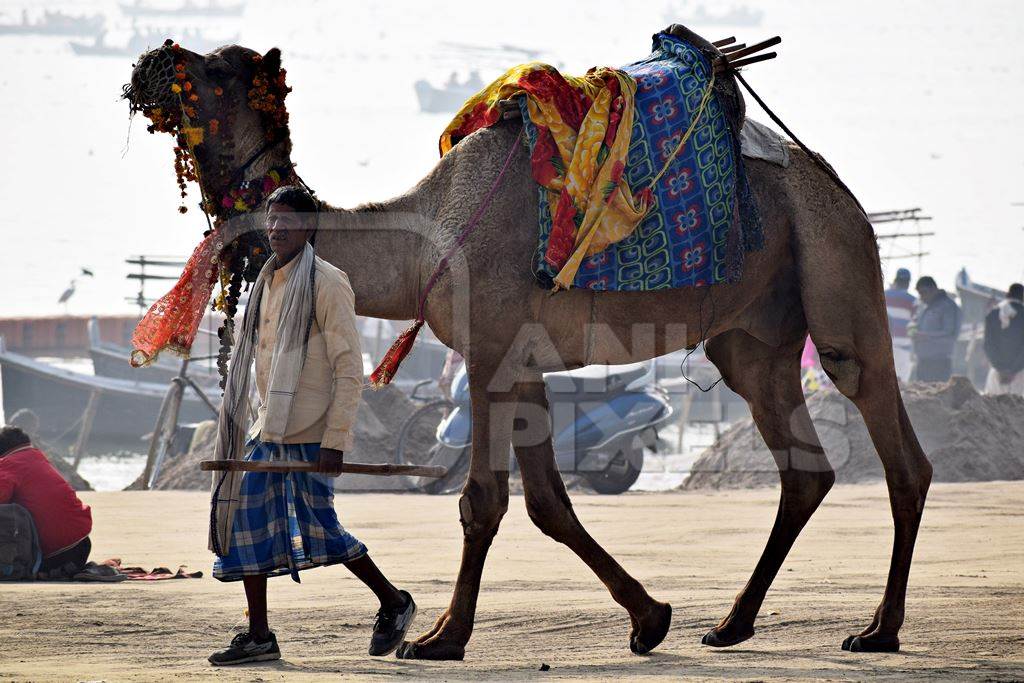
x=548 y=505
x=483 y=503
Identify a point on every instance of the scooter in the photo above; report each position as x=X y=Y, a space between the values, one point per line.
x=601 y=421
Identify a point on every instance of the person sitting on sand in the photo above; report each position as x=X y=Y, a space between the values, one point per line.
x=300 y=327
x=63 y=522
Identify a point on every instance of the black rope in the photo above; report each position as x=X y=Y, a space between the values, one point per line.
x=703 y=341
x=813 y=155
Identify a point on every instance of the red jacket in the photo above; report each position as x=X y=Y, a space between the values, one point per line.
x=28 y=479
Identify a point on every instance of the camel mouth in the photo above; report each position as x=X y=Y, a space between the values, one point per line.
x=151 y=81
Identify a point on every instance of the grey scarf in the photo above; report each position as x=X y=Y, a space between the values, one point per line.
x=296 y=319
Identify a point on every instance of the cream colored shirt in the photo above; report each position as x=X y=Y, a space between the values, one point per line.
x=327 y=396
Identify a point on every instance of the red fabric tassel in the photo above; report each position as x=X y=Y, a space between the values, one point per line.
x=394 y=357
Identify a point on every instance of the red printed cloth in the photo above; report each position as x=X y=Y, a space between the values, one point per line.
x=158 y=574
x=173 y=320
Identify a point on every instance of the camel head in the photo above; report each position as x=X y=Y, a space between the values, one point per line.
x=227 y=114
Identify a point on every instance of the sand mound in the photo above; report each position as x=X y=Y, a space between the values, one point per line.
x=380 y=417
x=967 y=437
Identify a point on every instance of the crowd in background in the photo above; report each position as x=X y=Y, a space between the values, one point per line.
x=925 y=330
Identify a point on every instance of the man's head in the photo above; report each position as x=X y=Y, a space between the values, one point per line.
x=902 y=279
x=927 y=289
x=11 y=439
x=1016 y=292
x=291 y=221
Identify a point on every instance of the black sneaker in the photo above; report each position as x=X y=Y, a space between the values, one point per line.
x=244 y=649
x=391 y=626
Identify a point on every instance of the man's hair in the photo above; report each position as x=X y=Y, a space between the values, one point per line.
x=1016 y=291
x=11 y=438
x=294 y=196
x=926 y=281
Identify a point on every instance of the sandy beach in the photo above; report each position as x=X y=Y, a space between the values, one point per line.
x=541 y=605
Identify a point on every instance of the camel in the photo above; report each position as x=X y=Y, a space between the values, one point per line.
x=818 y=273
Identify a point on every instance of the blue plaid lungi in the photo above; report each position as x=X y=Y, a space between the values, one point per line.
x=285 y=522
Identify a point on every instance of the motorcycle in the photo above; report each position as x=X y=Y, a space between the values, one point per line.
x=601 y=421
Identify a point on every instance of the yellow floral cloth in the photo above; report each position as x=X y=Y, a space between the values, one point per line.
x=583 y=133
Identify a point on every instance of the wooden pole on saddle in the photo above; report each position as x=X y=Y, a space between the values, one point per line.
x=283 y=466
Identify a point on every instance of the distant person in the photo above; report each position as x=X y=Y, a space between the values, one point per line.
x=899 y=303
x=63 y=522
x=453 y=360
x=1004 y=344
x=934 y=331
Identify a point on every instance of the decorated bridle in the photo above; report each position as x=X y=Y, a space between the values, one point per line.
x=163 y=91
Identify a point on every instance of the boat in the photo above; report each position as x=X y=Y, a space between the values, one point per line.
x=141 y=42
x=139 y=9
x=976 y=300
x=125 y=412
x=450 y=98
x=111 y=360
x=56 y=24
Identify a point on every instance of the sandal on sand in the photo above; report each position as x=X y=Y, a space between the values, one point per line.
x=99 y=573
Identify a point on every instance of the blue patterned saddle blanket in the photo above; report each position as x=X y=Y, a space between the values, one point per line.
x=704 y=218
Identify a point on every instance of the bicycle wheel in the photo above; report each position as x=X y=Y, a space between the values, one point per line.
x=417 y=440
x=163 y=434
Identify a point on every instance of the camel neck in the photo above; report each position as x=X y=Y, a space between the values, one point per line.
x=379 y=247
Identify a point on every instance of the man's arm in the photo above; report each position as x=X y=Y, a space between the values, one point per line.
x=6 y=486
x=337 y=317
x=951 y=321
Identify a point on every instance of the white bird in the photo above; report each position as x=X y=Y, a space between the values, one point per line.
x=68 y=293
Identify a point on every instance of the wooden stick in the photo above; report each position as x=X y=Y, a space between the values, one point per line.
x=756 y=47
x=724 y=41
x=283 y=466
x=753 y=60
x=732 y=48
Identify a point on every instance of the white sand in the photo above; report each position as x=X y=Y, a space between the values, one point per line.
x=540 y=604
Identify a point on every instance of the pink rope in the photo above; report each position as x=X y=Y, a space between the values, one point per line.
x=470 y=226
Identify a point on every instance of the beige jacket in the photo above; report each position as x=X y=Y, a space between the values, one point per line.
x=327 y=396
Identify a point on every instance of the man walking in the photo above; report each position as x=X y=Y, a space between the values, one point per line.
x=934 y=331
x=1004 y=344
x=299 y=327
x=899 y=304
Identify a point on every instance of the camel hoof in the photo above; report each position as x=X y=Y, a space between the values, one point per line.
x=716 y=638
x=434 y=651
x=642 y=640
x=872 y=644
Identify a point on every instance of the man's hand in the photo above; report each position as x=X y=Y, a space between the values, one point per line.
x=330 y=461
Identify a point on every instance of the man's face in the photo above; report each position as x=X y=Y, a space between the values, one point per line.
x=287 y=232
x=927 y=292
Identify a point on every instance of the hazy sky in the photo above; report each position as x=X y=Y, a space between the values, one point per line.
x=914 y=103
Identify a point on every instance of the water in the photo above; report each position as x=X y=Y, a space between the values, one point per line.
x=112 y=472
x=915 y=103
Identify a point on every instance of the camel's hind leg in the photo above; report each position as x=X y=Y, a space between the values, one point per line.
x=841 y=289
x=550 y=509
x=769 y=379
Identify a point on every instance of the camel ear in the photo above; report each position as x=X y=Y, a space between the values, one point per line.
x=271 y=61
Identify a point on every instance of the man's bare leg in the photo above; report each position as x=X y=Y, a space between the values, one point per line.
x=256 y=596
x=366 y=571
